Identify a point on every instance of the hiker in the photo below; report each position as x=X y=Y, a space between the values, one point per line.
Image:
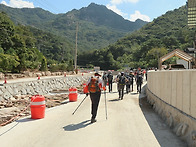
x=95 y=85
x=117 y=79
x=131 y=75
x=128 y=83
x=146 y=74
x=110 y=80
x=104 y=78
x=121 y=83
x=139 y=80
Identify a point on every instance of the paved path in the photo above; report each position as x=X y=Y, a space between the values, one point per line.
x=127 y=126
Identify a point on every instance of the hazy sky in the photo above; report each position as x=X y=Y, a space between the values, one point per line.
x=129 y=9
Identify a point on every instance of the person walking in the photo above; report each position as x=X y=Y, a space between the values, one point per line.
x=104 y=78
x=110 y=80
x=132 y=77
x=117 y=80
x=95 y=85
x=121 y=82
x=128 y=83
x=139 y=80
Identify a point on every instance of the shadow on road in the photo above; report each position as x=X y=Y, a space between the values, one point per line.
x=26 y=120
x=162 y=132
x=74 y=127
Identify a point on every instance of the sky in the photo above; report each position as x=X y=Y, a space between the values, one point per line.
x=147 y=10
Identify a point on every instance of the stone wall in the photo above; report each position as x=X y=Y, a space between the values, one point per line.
x=42 y=86
x=173 y=96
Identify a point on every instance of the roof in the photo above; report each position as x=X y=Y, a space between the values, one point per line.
x=179 y=54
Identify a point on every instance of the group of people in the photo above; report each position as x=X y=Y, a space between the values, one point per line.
x=97 y=83
x=125 y=80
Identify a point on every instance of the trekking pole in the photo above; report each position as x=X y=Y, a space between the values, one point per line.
x=79 y=104
x=105 y=106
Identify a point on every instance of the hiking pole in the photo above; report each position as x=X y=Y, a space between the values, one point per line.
x=79 y=104
x=105 y=106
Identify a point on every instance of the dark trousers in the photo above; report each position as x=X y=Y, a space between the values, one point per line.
x=110 y=85
x=132 y=86
x=95 y=98
x=121 y=91
x=128 y=88
x=139 y=87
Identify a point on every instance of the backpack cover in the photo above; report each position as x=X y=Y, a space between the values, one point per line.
x=93 y=86
x=139 y=78
x=110 y=77
x=122 y=80
x=104 y=77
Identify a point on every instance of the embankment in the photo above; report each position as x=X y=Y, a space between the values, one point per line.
x=42 y=86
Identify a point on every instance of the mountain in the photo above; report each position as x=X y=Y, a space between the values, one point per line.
x=97 y=26
x=28 y=16
x=100 y=15
x=145 y=46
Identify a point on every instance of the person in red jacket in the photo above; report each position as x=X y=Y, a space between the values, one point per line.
x=95 y=85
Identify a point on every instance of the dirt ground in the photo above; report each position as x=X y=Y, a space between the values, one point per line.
x=19 y=106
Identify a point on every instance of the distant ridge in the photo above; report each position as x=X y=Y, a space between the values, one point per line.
x=98 y=26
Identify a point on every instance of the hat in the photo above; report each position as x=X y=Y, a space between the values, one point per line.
x=97 y=74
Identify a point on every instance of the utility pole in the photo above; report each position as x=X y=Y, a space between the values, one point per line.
x=75 y=64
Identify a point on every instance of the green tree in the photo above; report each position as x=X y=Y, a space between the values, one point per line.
x=44 y=65
x=153 y=55
x=8 y=62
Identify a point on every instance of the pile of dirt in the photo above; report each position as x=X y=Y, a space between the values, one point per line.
x=19 y=106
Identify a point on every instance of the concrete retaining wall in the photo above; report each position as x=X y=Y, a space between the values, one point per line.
x=173 y=96
x=42 y=86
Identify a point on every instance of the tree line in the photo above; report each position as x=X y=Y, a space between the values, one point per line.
x=27 y=48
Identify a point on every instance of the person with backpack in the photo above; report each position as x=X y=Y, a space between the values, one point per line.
x=104 y=78
x=139 y=80
x=131 y=75
x=128 y=83
x=121 y=85
x=95 y=85
x=110 y=80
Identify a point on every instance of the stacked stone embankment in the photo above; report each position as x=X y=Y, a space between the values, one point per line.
x=42 y=86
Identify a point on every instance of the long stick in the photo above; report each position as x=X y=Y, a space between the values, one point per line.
x=105 y=106
x=79 y=104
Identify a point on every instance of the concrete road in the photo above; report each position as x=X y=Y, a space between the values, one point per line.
x=127 y=126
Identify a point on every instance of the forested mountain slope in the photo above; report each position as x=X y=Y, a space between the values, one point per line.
x=144 y=47
x=97 y=26
x=26 y=48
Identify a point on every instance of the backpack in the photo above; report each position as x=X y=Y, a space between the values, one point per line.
x=104 y=77
x=93 y=86
x=110 y=77
x=139 y=78
x=129 y=80
x=122 y=80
